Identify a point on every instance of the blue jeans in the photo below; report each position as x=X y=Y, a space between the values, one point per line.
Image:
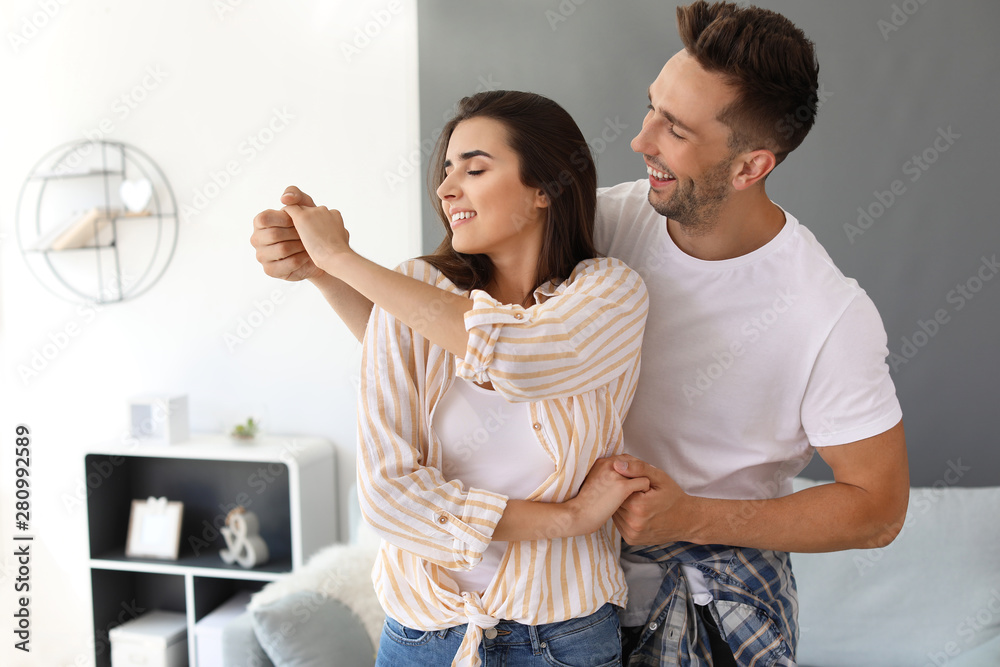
x=589 y=641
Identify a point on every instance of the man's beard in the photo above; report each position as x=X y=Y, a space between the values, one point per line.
x=695 y=206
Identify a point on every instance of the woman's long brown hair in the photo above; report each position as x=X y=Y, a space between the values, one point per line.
x=555 y=157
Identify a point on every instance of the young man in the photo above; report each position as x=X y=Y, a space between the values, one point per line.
x=757 y=352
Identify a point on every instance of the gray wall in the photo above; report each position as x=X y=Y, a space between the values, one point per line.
x=894 y=82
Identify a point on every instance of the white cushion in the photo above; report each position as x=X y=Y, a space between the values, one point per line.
x=932 y=597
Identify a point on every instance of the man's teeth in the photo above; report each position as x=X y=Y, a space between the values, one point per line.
x=462 y=215
x=658 y=175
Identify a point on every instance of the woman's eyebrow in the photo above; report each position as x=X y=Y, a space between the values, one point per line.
x=467 y=155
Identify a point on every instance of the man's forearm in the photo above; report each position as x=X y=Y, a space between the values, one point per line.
x=350 y=305
x=864 y=509
x=828 y=517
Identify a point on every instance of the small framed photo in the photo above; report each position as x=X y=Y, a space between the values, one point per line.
x=154 y=529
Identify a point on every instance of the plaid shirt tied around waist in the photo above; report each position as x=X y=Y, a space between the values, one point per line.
x=754 y=604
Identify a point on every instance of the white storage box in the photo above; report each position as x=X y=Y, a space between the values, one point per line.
x=208 y=631
x=155 y=639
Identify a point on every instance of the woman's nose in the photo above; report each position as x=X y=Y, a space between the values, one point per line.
x=448 y=188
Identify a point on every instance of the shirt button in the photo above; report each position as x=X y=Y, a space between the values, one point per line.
x=518 y=316
x=442 y=518
x=653 y=626
x=536 y=426
x=490 y=633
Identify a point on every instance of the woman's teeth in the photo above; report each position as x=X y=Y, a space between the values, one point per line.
x=658 y=175
x=455 y=217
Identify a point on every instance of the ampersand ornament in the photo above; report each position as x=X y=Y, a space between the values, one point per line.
x=244 y=545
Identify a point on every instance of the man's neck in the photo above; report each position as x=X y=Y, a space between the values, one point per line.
x=746 y=222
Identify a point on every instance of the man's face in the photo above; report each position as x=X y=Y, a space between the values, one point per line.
x=685 y=147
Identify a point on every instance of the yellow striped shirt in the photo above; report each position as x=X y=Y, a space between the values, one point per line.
x=574 y=357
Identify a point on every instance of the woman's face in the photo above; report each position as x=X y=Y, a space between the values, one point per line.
x=490 y=210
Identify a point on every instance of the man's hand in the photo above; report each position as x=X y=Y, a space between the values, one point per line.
x=322 y=234
x=601 y=494
x=654 y=516
x=279 y=247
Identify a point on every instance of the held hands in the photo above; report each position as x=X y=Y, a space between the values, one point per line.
x=322 y=233
x=279 y=245
x=657 y=515
x=603 y=491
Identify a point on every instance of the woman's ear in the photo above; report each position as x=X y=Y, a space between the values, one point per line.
x=541 y=199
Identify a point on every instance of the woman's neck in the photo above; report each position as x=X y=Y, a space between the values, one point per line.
x=514 y=278
x=511 y=290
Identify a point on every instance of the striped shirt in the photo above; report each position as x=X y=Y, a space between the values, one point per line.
x=754 y=604
x=574 y=357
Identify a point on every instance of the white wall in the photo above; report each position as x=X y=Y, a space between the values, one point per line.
x=225 y=66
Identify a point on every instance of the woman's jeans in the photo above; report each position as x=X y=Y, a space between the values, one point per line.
x=589 y=641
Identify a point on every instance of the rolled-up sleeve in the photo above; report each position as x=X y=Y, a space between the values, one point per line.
x=582 y=337
x=408 y=503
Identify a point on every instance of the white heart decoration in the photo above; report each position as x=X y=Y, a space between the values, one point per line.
x=136 y=194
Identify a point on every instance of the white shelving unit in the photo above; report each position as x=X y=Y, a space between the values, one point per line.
x=288 y=482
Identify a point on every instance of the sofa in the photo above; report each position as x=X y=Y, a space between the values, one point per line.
x=930 y=598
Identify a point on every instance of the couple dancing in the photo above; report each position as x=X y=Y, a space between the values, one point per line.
x=495 y=457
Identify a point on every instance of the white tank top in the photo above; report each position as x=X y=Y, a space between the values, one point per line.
x=488 y=444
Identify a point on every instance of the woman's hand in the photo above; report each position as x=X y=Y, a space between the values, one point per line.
x=601 y=495
x=278 y=245
x=323 y=234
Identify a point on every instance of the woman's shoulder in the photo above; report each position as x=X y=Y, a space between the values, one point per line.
x=605 y=267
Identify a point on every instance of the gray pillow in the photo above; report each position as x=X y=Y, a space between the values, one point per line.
x=306 y=629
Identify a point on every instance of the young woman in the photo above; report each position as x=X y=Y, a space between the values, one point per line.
x=496 y=373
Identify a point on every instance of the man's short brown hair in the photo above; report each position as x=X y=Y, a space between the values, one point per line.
x=768 y=60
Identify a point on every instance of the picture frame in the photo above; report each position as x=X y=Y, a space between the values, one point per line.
x=154 y=529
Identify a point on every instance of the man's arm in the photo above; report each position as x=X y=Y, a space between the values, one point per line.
x=281 y=253
x=863 y=508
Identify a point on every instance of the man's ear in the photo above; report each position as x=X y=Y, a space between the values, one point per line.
x=753 y=167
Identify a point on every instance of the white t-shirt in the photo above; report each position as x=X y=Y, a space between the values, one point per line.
x=488 y=443
x=747 y=363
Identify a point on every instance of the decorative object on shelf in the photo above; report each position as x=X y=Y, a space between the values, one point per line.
x=154 y=638
x=154 y=529
x=136 y=195
x=97 y=221
x=244 y=545
x=246 y=431
x=159 y=420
